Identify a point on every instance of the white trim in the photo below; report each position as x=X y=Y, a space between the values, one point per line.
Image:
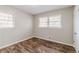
x=15 y=42
x=32 y=37
x=54 y=41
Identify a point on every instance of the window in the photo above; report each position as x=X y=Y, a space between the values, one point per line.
x=6 y=21
x=51 y=21
x=43 y=22
x=55 y=21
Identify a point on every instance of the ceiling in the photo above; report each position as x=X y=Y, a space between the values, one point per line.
x=35 y=9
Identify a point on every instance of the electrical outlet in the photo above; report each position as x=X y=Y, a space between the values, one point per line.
x=49 y=37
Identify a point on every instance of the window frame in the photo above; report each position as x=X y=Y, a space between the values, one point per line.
x=48 y=18
x=6 y=20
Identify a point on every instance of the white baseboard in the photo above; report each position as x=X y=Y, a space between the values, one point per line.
x=54 y=41
x=31 y=37
x=23 y=39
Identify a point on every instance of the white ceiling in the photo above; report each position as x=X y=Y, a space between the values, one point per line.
x=35 y=9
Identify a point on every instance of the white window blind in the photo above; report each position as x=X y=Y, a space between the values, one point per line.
x=55 y=21
x=50 y=21
x=43 y=22
x=6 y=20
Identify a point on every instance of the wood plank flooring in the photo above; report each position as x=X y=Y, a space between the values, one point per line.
x=36 y=45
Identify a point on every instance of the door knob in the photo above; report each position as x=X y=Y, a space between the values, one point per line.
x=75 y=33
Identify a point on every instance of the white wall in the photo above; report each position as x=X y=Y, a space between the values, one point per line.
x=63 y=35
x=22 y=29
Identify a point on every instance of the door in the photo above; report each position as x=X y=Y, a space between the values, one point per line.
x=76 y=28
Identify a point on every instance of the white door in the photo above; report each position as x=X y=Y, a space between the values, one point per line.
x=76 y=27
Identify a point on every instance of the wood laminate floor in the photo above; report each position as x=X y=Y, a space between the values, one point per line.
x=35 y=45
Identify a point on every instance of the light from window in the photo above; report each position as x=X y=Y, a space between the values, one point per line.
x=55 y=21
x=43 y=22
x=51 y=21
x=6 y=20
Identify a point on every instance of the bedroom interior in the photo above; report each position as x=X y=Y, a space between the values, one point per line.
x=39 y=29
